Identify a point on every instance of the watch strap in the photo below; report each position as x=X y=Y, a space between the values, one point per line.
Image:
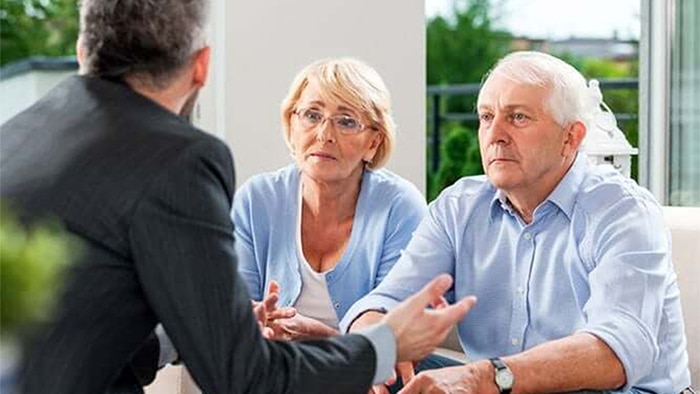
x=499 y=365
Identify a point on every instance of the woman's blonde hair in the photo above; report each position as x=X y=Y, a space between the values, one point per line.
x=353 y=82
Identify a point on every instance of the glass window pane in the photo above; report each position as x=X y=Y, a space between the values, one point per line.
x=685 y=106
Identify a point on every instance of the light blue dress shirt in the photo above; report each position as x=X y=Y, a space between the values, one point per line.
x=265 y=211
x=595 y=258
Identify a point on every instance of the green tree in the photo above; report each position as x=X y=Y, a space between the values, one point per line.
x=461 y=49
x=37 y=28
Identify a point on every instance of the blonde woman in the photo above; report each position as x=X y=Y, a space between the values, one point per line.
x=330 y=226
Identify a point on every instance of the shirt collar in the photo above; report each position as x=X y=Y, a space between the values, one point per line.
x=563 y=196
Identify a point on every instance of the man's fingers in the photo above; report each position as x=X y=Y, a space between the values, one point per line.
x=455 y=312
x=412 y=387
x=433 y=290
x=440 y=303
x=406 y=372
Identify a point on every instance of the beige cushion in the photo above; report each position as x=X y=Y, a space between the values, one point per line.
x=684 y=223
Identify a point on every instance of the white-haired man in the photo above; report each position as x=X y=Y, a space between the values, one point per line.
x=570 y=262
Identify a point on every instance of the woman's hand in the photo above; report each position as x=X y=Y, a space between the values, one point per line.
x=266 y=310
x=299 y=327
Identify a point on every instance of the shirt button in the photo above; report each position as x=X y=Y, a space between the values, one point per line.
x=337 y=305
x=527 y=236
x=514 y=341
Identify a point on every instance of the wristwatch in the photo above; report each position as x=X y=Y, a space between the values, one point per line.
x=504 y=377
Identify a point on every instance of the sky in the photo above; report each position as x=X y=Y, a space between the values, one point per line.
x=558 y=19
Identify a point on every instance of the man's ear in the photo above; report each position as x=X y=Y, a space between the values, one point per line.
x=80 y=52
x=575 y=133
x=201 y=66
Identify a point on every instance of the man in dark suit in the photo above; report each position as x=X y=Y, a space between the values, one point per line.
x=150 y=195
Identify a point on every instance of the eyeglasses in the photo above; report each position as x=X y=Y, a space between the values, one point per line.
x=345 y=124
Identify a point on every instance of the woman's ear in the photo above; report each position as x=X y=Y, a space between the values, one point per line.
x=375 y=143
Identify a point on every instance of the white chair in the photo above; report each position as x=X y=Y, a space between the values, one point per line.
x=685 y=233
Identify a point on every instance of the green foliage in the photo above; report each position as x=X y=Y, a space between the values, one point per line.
x=459 y=157
x=37 y=27
x=461 y=49
x=31 y=263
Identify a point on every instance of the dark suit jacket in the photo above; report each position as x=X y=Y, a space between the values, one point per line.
x=150 y=196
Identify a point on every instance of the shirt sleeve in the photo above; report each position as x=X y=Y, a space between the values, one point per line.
x=630 y=248
x=405 y=214
x=429 y=254
x=384 y=343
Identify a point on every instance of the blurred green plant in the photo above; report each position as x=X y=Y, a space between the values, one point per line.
x=32 y=260
x=37 y=28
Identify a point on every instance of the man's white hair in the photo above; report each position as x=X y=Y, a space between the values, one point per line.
x=569 y=98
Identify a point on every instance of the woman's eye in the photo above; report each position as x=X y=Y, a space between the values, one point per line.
x=347 y=122
x=313 y=116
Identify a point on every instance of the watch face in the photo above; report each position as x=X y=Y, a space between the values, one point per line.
x=504 y=379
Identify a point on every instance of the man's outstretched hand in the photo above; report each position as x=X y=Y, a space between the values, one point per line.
x=419 y=330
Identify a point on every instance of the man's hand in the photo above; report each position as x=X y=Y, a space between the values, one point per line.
x=475 y=378
x=418 y=330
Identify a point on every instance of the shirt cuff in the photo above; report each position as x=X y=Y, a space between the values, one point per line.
x=168 y=353
x=384 y=342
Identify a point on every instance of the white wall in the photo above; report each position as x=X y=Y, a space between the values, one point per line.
x=259 y=46
x=22 y=90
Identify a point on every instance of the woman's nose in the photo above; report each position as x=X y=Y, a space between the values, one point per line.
x=324 y=131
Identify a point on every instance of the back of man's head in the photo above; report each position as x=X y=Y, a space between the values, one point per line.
x=569 y=97
x=145 y=40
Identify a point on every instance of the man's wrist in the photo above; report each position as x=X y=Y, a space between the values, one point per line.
x=503 y=376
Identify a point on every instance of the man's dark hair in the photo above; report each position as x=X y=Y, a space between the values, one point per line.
x=148 y=40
